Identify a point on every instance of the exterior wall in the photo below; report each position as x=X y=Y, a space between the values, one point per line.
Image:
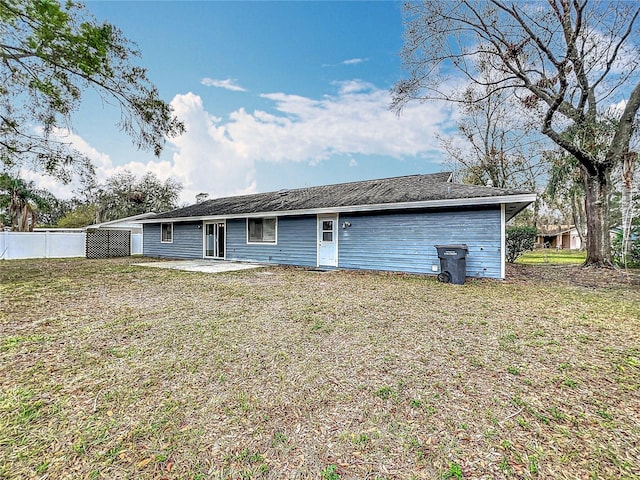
x=402 y=242
x=576 y=244
x=296 y=237
x=567 y=240
x=405 y=242
x=187 y=241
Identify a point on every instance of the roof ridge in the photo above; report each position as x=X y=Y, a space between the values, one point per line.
x=300 y=189
x=392 y=192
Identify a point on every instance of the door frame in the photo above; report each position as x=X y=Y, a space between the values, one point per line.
x=319 y=219
x=204 y=238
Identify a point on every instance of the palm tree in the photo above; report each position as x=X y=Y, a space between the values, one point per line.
x=21 y=200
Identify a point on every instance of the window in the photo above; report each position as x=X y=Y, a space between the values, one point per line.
x=166 y=232
x=327 y=230
x=261 y=230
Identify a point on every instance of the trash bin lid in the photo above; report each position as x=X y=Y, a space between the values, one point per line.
x=460 y=246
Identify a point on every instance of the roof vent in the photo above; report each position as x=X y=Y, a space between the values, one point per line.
x=201 y=197
x=283 y=192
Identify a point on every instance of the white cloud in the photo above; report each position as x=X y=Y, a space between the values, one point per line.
x=356 y=121
x=354 y=86
x=354 y=61
x=104 y=166
x=207 y=159
x=227 y=84
x=220 y=157
x=350 y=61
x=101 y=162
x=46 y=182
x=616 y=109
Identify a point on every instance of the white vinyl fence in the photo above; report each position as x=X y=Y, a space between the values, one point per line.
x=14 y=245
x=50 y=244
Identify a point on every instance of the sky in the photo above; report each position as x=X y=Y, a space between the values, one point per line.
x=274 y=95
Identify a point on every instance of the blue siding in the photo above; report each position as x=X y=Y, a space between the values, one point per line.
x=296 y=242
x=405 y=242
x=402 y=242
x=187 y=241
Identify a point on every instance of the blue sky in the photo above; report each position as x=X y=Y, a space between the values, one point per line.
x=274 y=95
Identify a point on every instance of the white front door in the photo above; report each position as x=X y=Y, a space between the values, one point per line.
x=327 y=240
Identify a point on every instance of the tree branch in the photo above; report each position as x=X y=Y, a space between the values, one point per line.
x=617 y=48
x=626 y=125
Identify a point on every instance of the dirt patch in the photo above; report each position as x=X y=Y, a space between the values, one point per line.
x=573 y=275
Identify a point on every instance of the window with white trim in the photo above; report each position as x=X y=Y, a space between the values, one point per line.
x=261 y=230
x=166 y=232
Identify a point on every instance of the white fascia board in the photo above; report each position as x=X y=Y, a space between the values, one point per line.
x=133 y=220
x=450 y=202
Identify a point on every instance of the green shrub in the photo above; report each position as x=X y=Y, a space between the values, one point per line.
x=633 y=257
x=519 y=240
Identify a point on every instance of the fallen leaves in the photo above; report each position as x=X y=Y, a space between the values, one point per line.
x=145 y=462
x=164 y=374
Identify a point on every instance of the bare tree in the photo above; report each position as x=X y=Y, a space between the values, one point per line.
x=496 y=143
x=568 y=59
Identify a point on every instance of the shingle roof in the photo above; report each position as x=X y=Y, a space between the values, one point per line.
x=554 y=229
x=412 y=188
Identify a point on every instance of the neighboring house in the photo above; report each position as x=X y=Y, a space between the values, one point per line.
x=617 y=231
x=559 y=237
x=389 y=224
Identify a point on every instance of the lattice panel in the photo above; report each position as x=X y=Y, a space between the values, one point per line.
x=108 y=243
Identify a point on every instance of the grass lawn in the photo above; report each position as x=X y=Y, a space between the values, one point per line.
x=108 y=370
x=553 y=257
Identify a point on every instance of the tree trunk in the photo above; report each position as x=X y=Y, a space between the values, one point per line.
x=578 y=221
x=536 y=212
x=626 y=205
x=580 y=218
x=597 y=210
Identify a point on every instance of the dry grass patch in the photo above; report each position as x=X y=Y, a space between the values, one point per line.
x=115 y=371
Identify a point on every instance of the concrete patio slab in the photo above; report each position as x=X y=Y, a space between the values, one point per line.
x=206 y=266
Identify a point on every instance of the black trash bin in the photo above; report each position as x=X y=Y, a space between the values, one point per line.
x=453 y=263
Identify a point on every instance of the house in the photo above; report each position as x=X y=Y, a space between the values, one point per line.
x=634 y=232
x=388 y=224
x=131 y=224
x=558 y=237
